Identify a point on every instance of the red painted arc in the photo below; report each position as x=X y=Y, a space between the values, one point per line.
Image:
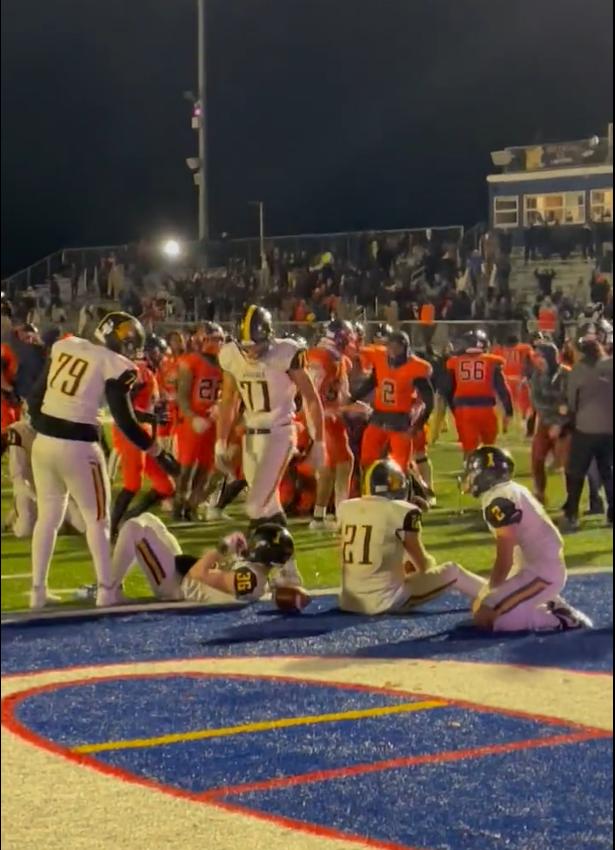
x=215 y=798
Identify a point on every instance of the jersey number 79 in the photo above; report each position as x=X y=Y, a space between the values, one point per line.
x=69 y=371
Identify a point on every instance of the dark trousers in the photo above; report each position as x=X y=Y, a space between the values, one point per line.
x=584 y=449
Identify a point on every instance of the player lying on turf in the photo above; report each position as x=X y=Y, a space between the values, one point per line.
x=529 y=571
x=17 y=442
x=385 y=568
x=238 y=569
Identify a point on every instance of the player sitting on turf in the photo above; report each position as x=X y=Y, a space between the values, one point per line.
x=529 y=571
x=238 y=569
x=385 y=568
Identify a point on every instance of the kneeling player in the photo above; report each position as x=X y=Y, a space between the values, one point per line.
x=385 y=568
x=265 y=560
x=529 y=571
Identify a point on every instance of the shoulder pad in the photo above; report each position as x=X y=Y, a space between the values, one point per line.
x=245 y=579
x=502 y=512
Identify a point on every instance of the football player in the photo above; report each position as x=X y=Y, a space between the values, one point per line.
x=473 y=385
x=238 y=569
x=65 y=408
x=199 y=381
x=385 y=567
x=17 y=441
x=8 y=374
x=529 y=571
x=518 y=360
x=133 y=462
x=329 y=367
x=401 y=380
x=166 y=376
x=264 y=374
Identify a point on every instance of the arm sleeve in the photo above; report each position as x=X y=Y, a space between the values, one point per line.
x=425 y=389
x=299 y=361
x=364 y=390
x=413 y=521
x=117 y=392
x=37 y=393
x=503 y=393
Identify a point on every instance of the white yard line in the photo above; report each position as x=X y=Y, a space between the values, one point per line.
x=16 y=577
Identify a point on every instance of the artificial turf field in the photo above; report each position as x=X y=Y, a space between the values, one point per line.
x=449 y=535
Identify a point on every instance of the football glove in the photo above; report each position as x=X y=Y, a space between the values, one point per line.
x=168 y=464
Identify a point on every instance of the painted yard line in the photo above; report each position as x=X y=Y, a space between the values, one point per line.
x=265 y=726
x=16 y=577
x=397 y=764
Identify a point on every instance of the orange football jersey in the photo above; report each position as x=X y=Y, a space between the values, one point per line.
x=395 y=391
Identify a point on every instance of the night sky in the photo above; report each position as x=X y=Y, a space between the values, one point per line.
x=338 y=114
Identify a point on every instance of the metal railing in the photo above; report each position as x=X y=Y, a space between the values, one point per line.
x=351 y=247
x=438 y=335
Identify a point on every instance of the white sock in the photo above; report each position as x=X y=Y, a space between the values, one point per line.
x=320 y=513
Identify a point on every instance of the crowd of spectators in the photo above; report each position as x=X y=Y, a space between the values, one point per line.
x=424 y=276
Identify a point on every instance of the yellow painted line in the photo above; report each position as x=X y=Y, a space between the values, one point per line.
x=265 y=726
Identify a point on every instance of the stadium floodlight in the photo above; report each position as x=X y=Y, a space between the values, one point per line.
x=171 y=249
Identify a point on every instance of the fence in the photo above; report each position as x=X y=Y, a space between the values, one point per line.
x=439 y=335
x=351 y=247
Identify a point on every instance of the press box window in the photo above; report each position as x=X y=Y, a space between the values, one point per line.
x=506 y=212
x=564 y=207
x=602 y=204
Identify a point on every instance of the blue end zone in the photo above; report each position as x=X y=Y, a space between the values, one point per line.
x=432 y=632
x=125 y=709
x=531 y=800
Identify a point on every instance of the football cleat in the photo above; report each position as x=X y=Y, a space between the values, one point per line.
x=570 y=618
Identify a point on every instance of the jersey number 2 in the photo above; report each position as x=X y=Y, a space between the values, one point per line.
x=472 y=370
x=253 y=404
x=351 y=532
x=69 y=372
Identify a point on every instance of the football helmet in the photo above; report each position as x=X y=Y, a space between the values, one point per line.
x=213 y=338
x=359 y=332
x=398 y=349
x=122 y=333
x=255 y=331
x=154 y=349
x=271 y=545
x=474 y=342
x=382 y=332
x=485 y=468
x=339 y=333
x=387 y=480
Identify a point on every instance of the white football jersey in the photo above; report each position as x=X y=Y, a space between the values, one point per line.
x=78 y=372
x=538 y=540
x=265 y=387
x=373 y=555
x=250 y=585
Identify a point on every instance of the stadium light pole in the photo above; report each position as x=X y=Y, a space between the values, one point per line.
x=261 y=227
x=202 y=125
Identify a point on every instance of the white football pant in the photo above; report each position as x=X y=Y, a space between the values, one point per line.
x=265 y=460
x=63 y=468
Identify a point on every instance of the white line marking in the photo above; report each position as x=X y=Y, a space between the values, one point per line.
x=16 y=577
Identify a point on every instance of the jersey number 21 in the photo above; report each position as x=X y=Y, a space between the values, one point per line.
x=357 y=545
